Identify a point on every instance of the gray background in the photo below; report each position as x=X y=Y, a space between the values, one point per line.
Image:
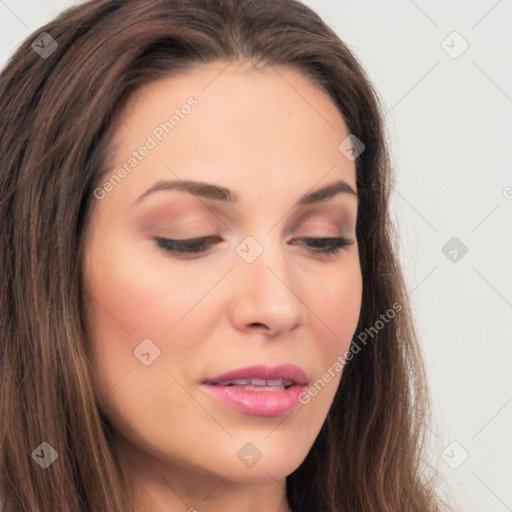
x=448 y=116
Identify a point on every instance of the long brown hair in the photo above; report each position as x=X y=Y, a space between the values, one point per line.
x=58 y=117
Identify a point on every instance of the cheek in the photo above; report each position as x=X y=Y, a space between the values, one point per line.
x=128 y=300
x=131 y=300
x=144 y=297
x=337 y=305
x=335 y=308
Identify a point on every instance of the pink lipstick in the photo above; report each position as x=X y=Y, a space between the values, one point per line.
x=259 y=390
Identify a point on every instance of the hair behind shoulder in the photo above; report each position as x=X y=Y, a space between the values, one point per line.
x=59 y=114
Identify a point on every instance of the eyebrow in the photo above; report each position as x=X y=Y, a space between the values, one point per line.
x=209 y=191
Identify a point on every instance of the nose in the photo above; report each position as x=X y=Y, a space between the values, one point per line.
x=266 y=294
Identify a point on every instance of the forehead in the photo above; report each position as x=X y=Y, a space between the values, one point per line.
x=247 y=125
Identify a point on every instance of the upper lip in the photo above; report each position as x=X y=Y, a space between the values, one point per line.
x=261 y=371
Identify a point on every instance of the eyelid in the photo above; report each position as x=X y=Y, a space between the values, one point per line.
x=324 y=231
x=180 y=245
x=328 y=246
x=328 y=213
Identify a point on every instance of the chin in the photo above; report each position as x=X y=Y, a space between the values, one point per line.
x=247 y=463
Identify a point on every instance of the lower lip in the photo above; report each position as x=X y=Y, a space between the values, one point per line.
x=258 y=403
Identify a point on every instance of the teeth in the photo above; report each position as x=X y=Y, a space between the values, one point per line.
x=240 y=382
x=257 y=384
x=264 y=388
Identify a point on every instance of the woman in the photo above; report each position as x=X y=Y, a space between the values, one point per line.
x=202 y=307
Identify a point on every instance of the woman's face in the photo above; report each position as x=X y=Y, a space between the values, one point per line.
x=161 y=323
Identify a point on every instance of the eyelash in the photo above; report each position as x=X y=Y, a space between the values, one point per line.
x=329 y=246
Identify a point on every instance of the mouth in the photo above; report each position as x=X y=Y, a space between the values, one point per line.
x=257 y=384
x=259 y=390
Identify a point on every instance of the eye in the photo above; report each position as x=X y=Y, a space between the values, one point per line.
x=190 y=246
x=325 y=245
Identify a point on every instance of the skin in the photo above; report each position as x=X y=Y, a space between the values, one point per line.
x=270 y=136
